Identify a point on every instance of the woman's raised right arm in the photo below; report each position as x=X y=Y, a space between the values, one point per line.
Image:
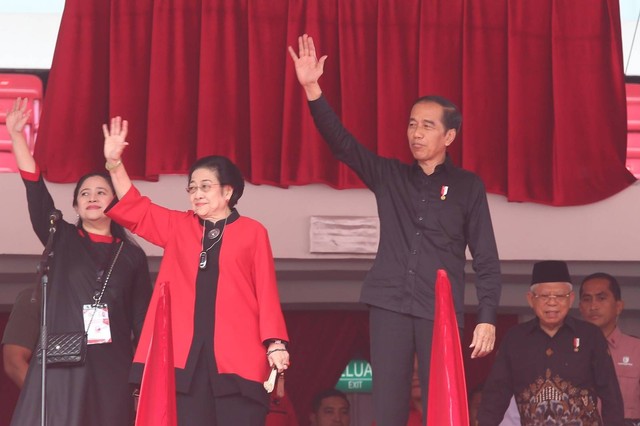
x=114 y=144
x=17 y=117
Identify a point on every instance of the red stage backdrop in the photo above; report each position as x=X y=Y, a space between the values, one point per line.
x=540 y=85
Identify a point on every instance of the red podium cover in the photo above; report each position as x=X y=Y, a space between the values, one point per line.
x=157 y=405
x=447 y=404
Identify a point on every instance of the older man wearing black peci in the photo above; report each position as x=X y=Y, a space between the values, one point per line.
x=556 y=366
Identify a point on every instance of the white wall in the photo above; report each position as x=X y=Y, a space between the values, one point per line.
x=604 y=231
x=29 y=29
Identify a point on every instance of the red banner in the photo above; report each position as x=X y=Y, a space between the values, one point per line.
x=157 y=405
x=447 y=404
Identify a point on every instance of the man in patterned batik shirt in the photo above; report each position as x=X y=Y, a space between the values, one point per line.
x=601 y=304
x=556 y=366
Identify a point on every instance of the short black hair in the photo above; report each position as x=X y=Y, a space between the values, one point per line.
x=613 y=283
x=226 y=172
x=451 y=116
x=327 y=393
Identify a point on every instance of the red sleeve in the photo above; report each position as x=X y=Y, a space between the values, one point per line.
x=272 y=325
x=139 y=215
x=31 y=176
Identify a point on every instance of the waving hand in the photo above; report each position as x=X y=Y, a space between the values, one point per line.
x=308 y=67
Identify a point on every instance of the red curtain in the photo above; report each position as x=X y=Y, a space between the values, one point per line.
x=540 y=84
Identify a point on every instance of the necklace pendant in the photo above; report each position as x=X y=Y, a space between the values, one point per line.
x=203 y=259
x=213 y=233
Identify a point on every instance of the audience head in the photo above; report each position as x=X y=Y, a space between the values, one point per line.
x=330 y=408
x=550 y=295
x=601 y=301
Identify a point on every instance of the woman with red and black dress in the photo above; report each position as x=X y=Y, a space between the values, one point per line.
x=227 y=323
x=97 y=392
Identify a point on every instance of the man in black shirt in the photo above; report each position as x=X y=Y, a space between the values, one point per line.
x=430 y=211
x=557 y=367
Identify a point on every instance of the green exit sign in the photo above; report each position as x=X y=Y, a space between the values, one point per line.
x=356 y=377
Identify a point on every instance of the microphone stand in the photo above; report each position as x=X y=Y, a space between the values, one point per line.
x=43 y=269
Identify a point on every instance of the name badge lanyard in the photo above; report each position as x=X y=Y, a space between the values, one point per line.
x=97 y=298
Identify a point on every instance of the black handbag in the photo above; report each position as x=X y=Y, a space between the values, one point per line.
x=69 y=349
x=64 y=349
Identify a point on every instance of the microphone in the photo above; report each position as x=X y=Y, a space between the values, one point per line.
x=55 y=215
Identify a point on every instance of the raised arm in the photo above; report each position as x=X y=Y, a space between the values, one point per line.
x=114 y=144
x=368 y=165
x=308 y=68
x=17 y=117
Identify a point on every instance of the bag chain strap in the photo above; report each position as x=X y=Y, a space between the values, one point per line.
x=98 y=299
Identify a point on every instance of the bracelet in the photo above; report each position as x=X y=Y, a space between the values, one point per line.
x=276 y=350
x=110 y=167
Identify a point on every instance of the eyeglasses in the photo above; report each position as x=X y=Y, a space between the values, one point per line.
x=547 y=297
x=205 y=187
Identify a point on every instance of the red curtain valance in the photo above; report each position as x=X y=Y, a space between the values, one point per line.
x=540 y=84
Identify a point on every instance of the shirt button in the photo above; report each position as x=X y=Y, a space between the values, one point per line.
x=418 y=233
x=411 y=271
x=420 y=218
x=424 y=200
x=414 y=251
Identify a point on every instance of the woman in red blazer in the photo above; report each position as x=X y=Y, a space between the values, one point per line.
x=227 y=324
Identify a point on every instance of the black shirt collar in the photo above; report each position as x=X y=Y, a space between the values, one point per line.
x=445 y=166
x=569 y=322
x=233 y=216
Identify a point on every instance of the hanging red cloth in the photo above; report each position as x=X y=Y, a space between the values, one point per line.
x=157 y=405
x=541 y=93
x=447 y=404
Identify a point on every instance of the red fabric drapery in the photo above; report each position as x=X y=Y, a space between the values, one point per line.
x=540 y=85
x=447 y=402
x=157 y=404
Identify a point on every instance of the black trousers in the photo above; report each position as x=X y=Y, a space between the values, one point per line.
x=395 y=339
x=200 y=407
